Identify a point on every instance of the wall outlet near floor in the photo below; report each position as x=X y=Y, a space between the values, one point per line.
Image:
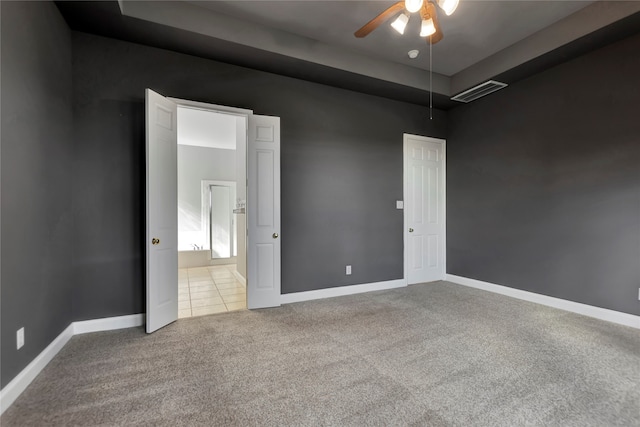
x=20 y=338
x=638 y=294
x=348 y=270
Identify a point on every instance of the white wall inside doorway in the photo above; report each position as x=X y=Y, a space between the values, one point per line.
x=195 y=165
x=211 y=147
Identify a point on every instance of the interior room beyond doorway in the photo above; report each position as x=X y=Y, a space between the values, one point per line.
x=211 y=212
x=209 y=290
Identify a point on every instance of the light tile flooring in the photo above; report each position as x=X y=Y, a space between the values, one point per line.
x=209 y=290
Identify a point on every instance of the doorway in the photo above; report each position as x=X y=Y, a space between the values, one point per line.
x=261 y=161
x=424 y=209
x=211 y=256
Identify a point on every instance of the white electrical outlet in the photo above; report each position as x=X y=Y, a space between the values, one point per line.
x=638 y=294
x=348 y=270
x=399 y=204
x=20 y=338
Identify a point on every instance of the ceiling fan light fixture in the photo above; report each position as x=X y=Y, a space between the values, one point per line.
x=400 y=23
x=427 y=28
x=449 y=6
x=413 y=5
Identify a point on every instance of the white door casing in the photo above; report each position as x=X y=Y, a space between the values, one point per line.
x=424 y=195
x=162 y=213
x=263 y=212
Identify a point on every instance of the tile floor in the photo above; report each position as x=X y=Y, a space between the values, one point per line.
x=209 y=290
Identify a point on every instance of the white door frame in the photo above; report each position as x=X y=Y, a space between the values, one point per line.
x=405 y=188
x=268 y=131
x=234 y=111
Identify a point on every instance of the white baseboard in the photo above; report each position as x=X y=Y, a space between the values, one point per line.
x=11 y=391
x=108 y=324
x=574 y=307
x=240 y=278
x=341 y=291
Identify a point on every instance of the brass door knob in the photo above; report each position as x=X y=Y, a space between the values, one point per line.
x=411 y=230
x=155 y=241
x=275 y=235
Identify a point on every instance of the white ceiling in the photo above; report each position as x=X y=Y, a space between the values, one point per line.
x=206 y=129
x=477 y=29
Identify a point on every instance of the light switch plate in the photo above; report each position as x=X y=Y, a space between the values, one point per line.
x=399 y=204
x=20 y=338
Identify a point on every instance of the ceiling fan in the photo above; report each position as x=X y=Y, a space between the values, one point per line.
x=430 y=28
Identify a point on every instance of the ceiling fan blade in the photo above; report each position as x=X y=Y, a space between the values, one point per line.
x=380 y=19
x=427 y=11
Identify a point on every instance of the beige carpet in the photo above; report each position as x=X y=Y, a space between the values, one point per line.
x=435 y=354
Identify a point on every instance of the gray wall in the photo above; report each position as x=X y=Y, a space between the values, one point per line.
x=341 y=169
x=543 y=182
x=36 y=180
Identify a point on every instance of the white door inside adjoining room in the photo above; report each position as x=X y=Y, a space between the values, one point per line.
x=424 y=209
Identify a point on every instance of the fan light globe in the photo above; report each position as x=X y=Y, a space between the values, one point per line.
x=427 y=28
x=449 y=6
x=413 y=5
x=400 y=23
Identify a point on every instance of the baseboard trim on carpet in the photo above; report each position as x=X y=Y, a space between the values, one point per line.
x=341 y=291
x=618 y=317
x=11 y=391
x=108 y=324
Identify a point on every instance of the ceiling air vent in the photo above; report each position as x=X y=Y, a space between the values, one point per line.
x=479 y=91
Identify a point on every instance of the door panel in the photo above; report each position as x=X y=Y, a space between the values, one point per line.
x=263 y=212
x=416 y=208
x=162 y=214
x=265 y=279
x=432 y=194
x=417 y=243
x=425 y=227
x=265 y=176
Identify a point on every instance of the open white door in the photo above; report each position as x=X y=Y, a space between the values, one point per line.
x=162 y=212
x=424 y=165
x=263 y=212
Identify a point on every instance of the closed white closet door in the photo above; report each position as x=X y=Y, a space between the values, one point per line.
x=424 y=163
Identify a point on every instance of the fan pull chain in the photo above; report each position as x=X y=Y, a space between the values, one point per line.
x=430 y=78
